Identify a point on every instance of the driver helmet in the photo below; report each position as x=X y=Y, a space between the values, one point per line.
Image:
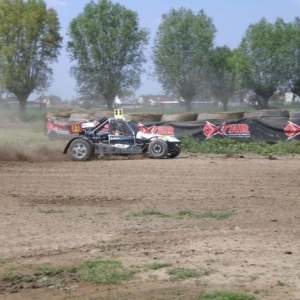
x=119 y=129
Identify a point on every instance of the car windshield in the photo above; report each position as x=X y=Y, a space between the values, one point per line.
x=103 y=126
x=119 y=126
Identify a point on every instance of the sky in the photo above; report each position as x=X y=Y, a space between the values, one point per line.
x=230 y=17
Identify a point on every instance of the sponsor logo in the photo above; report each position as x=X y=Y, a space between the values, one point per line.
x=143 y=128
x=161 y=130
x=122 y=146
x=292 y=130
x=55 y=126
x=230 y=130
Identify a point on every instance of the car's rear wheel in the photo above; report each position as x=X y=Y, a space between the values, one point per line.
x=158 y=148
x=80 y=150
x=175 y=153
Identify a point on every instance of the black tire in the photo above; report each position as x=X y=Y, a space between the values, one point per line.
x=80 y=150
x=175 y=153
x=158 y=148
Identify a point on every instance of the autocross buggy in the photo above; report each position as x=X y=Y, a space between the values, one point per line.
x=117 y=136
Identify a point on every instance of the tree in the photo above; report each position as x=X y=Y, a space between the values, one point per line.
x=29 y=42
x=222 y=75
x=108 y=46
x=293 y=57
x=268 y=58
x=181 y=51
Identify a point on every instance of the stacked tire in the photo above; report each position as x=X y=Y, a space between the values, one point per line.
x=185 y=117
x=294 y=116
x=201 y=117
x=144 y=117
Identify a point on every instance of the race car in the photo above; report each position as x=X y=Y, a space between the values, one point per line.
x=118 y=136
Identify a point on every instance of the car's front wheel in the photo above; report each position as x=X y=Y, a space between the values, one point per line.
x=175 y=153
x=80 y=150
x=158 y=148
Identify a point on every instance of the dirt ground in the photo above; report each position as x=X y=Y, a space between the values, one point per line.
x=58 y=212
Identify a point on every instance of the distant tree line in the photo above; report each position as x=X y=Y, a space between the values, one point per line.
x=107 y=49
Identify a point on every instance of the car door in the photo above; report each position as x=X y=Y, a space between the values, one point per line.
x=121 y=136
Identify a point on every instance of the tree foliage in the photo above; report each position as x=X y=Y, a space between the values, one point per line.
x=29 y=42
x=181 y=50
x=268 y=57
x=109 y=50
x=222 y=75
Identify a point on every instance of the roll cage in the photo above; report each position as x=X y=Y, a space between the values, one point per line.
x=119 y=124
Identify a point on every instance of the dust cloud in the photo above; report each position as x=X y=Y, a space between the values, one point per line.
x=41 y=153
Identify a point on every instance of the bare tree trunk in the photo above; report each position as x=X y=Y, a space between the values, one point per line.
x=22 y=97
x=22 y=106
x=188 y=105
x=110 y=99
x=109 y=104
x=265 y=103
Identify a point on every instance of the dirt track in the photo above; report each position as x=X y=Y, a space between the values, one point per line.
x=254 y=251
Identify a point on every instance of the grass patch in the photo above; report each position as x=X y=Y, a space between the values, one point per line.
x=23 y=132
x=116 y=241
x=253 y=277
x=101 y=213
x=124 y=209
x=33 y=135
x=157 y=266
x=50 y=211
x=31 y=117
x=226 y=295
x=78 y=298
x=97 y=271
x=280 y=283
x=220 y=214
x=213 y=214
x=10 y=272
x=105 y=271
x=150 y=212
x=230 y=146
x=186 y=273
x=3 y=261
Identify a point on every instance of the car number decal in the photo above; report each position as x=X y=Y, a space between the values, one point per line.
x=118 y=113
x=75 y=128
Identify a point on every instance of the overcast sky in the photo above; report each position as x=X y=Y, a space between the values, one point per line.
x=231 y=18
